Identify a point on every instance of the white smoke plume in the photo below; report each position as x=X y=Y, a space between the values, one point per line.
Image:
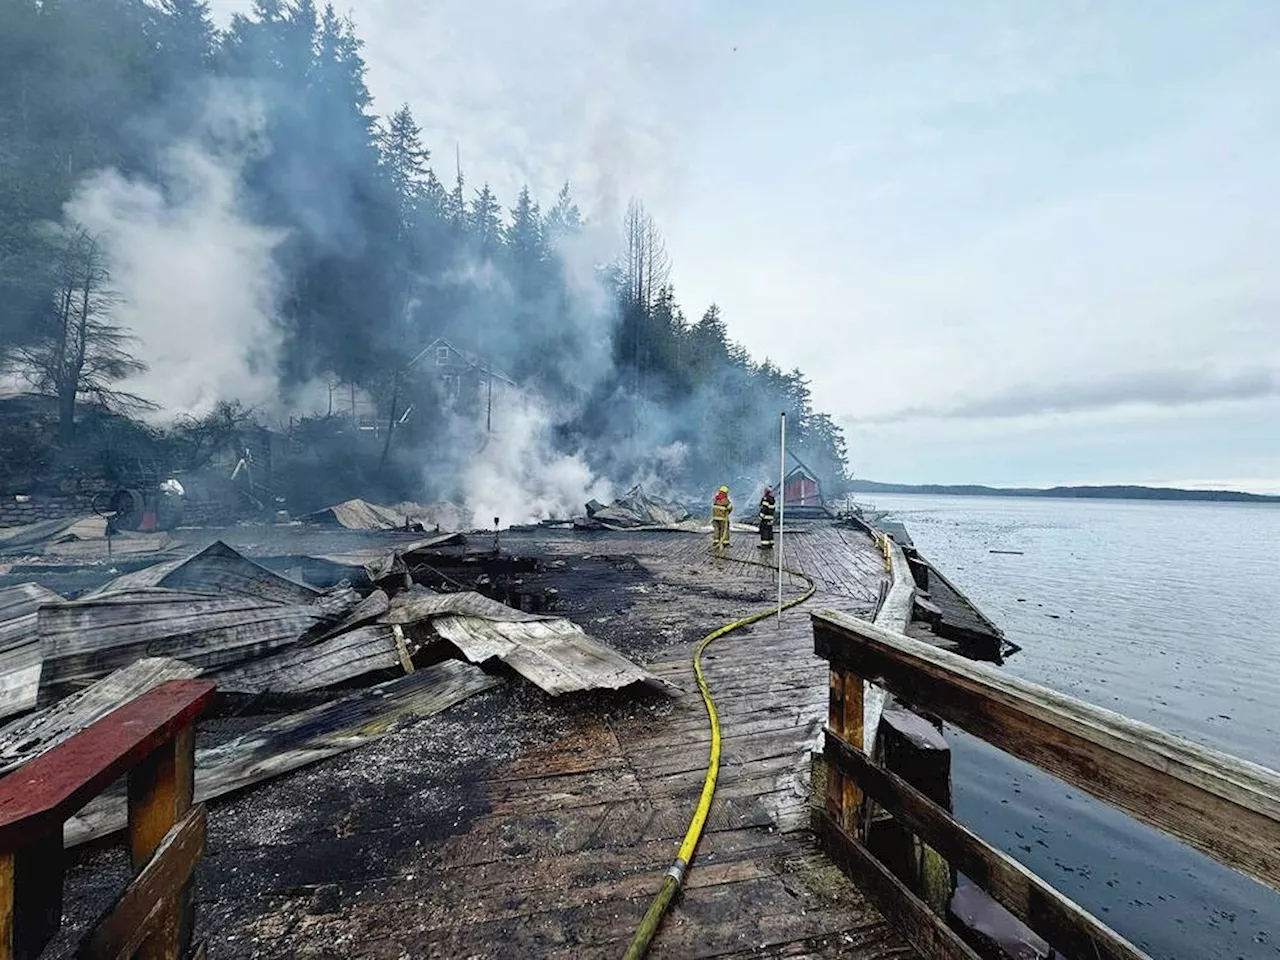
x=196 y=278
x=518 y=477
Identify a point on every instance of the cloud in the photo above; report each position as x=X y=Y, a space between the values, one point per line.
x=1158 y=388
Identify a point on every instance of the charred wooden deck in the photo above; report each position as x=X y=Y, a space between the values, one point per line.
x=556 y=847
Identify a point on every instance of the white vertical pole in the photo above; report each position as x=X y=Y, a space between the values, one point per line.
x=782 y=505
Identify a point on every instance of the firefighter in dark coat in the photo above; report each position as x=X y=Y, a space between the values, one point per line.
x=768 y=510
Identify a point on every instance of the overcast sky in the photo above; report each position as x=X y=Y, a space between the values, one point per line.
x=1010 y=243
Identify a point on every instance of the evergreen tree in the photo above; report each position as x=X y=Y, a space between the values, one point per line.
x=524 y=240
x=485 y=221
x=563 y=219
x=456 y=210
x=405 y=164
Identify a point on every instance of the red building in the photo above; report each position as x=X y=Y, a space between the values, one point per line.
x=800 y=488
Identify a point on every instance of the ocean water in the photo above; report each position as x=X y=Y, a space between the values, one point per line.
x=1167 y=612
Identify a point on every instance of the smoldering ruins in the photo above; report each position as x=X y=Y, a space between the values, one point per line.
x=414 y=474
x=263 y=270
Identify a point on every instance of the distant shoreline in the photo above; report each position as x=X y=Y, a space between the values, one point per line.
x=1075 y=493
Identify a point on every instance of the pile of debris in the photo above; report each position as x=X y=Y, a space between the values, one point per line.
x=636 y=511
x=52 y=542
x=639 y=511
x=360 y=514
x=219 y=615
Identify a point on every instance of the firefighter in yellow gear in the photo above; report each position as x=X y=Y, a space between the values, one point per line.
x=721 y=507
x=768 y=510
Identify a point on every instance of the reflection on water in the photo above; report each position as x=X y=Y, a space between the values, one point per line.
x=1166 y=612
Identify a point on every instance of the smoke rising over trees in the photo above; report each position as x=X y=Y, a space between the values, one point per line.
x=357 y=246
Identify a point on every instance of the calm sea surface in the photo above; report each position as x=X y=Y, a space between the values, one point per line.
x=1166 y=612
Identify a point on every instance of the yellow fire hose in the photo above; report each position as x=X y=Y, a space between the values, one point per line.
x=675 y=876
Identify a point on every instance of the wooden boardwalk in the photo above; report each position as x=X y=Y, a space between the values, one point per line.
x=578 y=832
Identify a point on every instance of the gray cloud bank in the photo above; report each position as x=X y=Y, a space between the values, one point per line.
x=1156 y=388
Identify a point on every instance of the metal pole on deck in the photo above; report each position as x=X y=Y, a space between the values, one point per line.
x=782 y=505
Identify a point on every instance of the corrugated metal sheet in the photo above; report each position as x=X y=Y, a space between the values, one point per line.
x=359 y=515
x=552 y=652
x=33 y=537
x=20 y=646
x=419 y=604
x=83 y=640
x=345 y=657
x=216 y=569
x=28 y=737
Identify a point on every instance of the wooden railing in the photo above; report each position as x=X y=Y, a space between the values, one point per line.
x=1227 y=808
x=151 y=740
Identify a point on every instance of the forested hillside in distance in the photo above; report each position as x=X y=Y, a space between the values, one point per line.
x=376 y=246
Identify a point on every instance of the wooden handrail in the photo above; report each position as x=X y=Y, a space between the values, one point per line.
x=1062 y=922
x=151 y=739
x=43 y=793
x=1225 y=807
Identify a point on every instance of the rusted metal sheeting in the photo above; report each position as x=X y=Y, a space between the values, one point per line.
x=28 y=737
x=303 y=738
x=20 y=646
x=552 y=652
x=83 y=640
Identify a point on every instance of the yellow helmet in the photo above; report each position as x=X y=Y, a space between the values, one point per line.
x=724 y=489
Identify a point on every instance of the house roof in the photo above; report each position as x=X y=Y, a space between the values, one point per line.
x=471 y=359
x=802 y=466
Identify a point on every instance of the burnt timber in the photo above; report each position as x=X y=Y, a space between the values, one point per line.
x=518 y=825
x=525 y=825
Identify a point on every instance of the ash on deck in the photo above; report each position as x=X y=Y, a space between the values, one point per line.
x=515 y=825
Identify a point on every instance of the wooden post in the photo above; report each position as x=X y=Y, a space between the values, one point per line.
x=915 y=750
x=844 y=718
x=30 y=897
x=160 y=792
x=7 y=890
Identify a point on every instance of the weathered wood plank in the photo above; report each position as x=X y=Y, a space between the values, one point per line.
x=139 y=910
x=160 y=793
x=8 y=888
x=30 y=896
x=1058 y=919
x=923 y=929
x=1223 y=806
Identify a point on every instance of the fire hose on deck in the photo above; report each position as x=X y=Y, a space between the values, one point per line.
x=674 y=879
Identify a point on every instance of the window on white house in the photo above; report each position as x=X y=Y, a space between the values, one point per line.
x=442 y=356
